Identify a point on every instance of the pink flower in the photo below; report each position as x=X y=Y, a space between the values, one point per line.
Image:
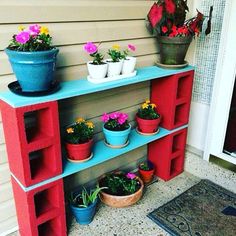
x=23 y=37
x=115 y=115
x=34 y=30
x=105 y=117
x=90 y=48
x=131 y=175
x=164 y=29
x=131 y=47
x=170 y=6
x=122 y=118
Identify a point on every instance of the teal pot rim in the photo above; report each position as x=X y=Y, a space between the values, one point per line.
x=116 y=131
x=84 y=208
x=53 y=50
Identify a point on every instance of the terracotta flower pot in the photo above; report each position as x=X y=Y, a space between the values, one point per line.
x=148 y=126
x=79 y=152
x=146 y=175
x=122 y=201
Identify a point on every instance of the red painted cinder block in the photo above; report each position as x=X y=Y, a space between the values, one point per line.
x=41 y=211
x=34 y=149
x=167 y=154
x=172 y=95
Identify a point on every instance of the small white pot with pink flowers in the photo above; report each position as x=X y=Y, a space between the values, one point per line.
x=97 y=68
x=116 y=129
x=129 y=61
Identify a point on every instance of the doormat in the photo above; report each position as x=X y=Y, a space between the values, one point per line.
x=205 y=209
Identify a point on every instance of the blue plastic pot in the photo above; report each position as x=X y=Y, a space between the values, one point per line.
x=116 y=138
x=33 y=70
x=84 y=216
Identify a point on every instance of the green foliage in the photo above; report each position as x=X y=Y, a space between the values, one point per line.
x=115 y=55
x=146 y=165
x=119 y=184
x=84 y=198
x=79 y=132
x=98 y=58
x=148 y=111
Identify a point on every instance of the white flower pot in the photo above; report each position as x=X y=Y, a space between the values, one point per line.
x=97 y=71
x=129 y=65
x=114 y=68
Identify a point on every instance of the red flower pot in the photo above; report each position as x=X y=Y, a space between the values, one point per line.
x=79 y=152
x=146 y=175
x=148 y=126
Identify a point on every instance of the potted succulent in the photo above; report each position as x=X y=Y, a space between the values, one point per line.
x=97 y=68
x=129 y=62
x=116 y=61
x=33 y=58
x=122 y=189
x=79 y=140
x=148 y=119
x=116 y=129
x=83 y=204
x=146 y=171
x=167 y=20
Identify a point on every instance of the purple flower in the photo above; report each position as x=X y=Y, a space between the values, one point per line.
x=34 y=30
x=105 y=117
x=131 y=175
x=23 y=37
x=90 y=48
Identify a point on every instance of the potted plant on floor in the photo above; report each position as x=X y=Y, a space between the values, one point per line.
x=122 y=189
x=83 y=204
x=33 y=58
x=116 y=129
x=97 y=68
x=148 y=119
x=166 y=19
x=146 y=171
x=79 y=140
x=129 y=61
x=116 y=61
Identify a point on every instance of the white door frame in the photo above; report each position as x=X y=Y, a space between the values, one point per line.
x=223 y=87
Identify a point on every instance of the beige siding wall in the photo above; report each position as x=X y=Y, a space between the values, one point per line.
x=72 y=23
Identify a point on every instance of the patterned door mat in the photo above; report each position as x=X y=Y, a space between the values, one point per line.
x=205 y=209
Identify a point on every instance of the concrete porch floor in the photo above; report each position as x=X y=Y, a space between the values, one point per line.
x=132 y=221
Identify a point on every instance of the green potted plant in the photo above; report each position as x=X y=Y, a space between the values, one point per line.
x=167 y=20
x=79 y=140
x=116 y=61
x=116 y=129
x=33 y=58
x=98 y=67
x=129 y=61
x=83 y=204
x=147 y=118
x=146 y=171
x=122 y=189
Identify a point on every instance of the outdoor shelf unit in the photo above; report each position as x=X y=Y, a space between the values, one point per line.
x=34 y=152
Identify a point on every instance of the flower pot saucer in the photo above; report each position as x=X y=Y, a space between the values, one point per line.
x=15 y=87
x=80 y=161
x=116 y=147
x=147 y=134
x=165 y=66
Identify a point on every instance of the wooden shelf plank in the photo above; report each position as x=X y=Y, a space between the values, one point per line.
x=103 y=153
x=82 y=86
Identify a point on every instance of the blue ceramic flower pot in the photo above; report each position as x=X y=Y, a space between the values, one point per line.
x=33 y=70
x=84 y=216
x=116 y=138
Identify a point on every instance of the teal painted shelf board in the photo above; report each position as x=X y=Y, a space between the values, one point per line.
x=83 y=86
x=104 y=153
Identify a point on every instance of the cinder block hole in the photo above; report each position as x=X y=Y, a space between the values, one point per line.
x=181 y=115
x=184 y=84
x=176 y=165
x=42 y=163
x=38 y=124
x=178 y=144
x=46 y=201
x=51 y=227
